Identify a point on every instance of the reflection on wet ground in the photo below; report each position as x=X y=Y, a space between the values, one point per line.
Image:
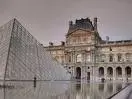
x=59 y=90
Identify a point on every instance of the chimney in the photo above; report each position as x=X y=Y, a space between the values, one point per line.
x=70 y=23
x=107 y=39
x=62 y=43
x=41 y=44
x=50 y=44
x=95 y=24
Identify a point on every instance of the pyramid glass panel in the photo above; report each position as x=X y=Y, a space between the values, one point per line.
x=5 y=34
x=24 y=58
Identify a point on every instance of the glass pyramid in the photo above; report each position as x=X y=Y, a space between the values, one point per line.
x=22 y=57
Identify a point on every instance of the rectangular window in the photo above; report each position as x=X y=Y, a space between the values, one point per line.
x=111 y=58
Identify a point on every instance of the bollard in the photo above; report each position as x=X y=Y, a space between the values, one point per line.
x=34 y=82
x=102 y=80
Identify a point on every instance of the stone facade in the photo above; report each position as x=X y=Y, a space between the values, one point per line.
x=86 y=56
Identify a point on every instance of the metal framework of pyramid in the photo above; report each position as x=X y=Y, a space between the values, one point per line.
x=22 y=57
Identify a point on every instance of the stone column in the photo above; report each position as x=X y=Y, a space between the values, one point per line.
x=83 y=57
x=74 y=62
x=105 y=72
x=107 y=58
x=75 y=58
x=96 y=73
x=123 y=57
x=91 y=73
x=114 y=73
x=123 y=73
x=66 y=57
x=72 y=57
x=74 y=71
x=84 y=73
x=131 y=72
x=92 y=56
x=116 y=58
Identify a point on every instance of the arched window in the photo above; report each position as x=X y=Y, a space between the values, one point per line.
x=84 y=39
x=111 y=58
x=119 y=57
x=57 y=58
x=102 y=58
x=110 y=71
x=128 y=57
x=78 y=73
x=69 y=58
x=128 y=71
x=118 y=71
x=79 y=58
x=110 y=49
x=62 y=59
x=101 y=71
x=97 y=58
x=74 y=40
x=79 y=40
x=88 y=57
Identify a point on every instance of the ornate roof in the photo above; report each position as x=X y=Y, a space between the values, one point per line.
x=85 y=24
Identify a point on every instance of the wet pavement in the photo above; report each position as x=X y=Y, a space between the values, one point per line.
x=59 y=90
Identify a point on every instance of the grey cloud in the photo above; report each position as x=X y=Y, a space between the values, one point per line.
x=48 y=20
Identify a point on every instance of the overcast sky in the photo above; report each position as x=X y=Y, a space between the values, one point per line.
x=47 y=20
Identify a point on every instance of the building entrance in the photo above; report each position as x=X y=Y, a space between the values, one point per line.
x=78 y=73
x=88 y=76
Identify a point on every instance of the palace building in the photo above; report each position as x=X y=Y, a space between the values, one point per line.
x=87 y=56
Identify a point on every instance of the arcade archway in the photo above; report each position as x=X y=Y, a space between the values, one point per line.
x=118 y=71
x=101 y=71
x=78 y=73
x=128 y=71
